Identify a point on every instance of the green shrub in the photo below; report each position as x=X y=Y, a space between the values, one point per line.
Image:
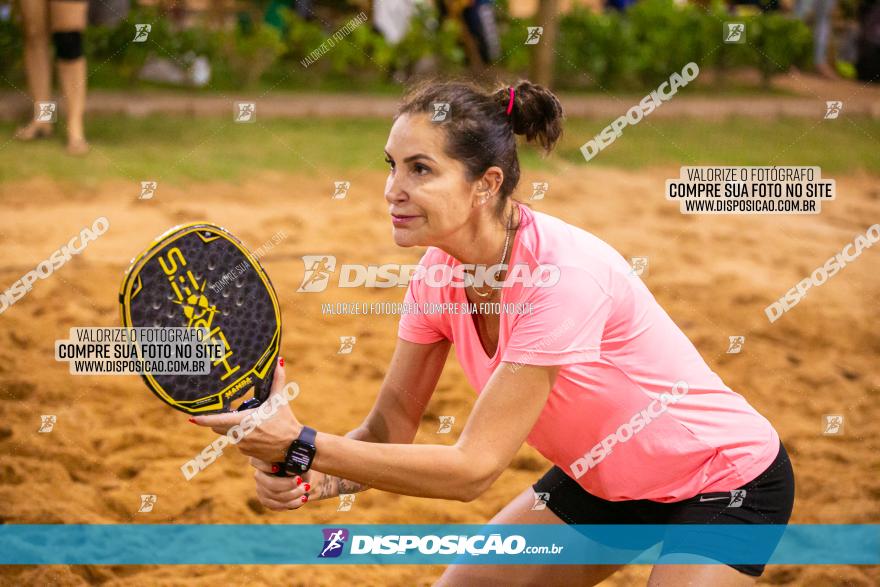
x=11 y=46
x=428 y=36
x=301 y=36
x=666 y=37
x=515 y=54
x=250 y=54
x=645 y=44
x=113 y=47
x=780 y=42
x=596 y=49
x=362 y=52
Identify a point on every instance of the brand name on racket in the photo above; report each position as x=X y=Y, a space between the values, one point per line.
x=196 y=308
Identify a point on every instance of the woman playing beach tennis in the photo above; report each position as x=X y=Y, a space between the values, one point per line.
x=595 y=375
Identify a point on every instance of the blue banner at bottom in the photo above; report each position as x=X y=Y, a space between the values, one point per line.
x=438 y=544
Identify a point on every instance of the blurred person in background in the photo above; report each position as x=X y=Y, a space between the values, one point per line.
x=619 y=5
x=762 y=5
x=65 y=21
x=868 y=63
x=822 y=10
x=302 y=8
x=391 y=18
x=481 y=27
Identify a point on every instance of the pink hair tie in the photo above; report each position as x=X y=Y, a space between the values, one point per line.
x=510 y=104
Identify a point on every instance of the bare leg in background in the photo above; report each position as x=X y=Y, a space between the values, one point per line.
x=72 y=16
x=37 y=62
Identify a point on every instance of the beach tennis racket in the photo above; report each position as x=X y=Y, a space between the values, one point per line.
x=200 y=276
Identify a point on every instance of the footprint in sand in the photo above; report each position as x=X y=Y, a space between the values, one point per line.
x=17 y=390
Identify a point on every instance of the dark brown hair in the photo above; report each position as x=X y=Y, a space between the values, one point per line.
x=480 y=133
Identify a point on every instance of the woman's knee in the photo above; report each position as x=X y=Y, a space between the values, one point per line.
x=68 y=45
x=36 y=34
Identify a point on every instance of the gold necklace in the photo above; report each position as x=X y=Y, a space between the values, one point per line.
x=503 y=256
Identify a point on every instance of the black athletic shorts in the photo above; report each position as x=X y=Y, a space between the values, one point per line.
x=767 y=499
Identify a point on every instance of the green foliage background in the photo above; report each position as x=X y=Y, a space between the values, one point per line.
x=600 y=51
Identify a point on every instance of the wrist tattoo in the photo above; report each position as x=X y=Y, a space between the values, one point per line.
x=333 y=485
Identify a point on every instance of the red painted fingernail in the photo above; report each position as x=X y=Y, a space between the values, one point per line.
x=274 y=468
x=192 y=420
x=298 y=481
x=281 y=361
x=305 y=498
x=308 y=487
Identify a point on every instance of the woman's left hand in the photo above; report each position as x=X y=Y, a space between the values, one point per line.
x=265 y=432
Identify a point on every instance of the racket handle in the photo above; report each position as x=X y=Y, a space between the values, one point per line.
x=282 y=472
x=255 y=403
x=249 y=404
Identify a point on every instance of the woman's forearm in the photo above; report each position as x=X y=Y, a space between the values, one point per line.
x=422 y=470
x=379 y=427
x=332 y=485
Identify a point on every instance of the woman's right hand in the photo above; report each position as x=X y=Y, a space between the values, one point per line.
x=285 y=493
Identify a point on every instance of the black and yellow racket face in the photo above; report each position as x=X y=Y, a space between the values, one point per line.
x=200 y=276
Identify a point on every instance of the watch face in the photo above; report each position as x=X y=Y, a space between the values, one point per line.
x=299 y=457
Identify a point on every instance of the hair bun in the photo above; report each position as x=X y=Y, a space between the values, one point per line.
x=536 y=113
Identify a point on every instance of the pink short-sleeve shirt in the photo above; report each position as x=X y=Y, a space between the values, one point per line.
x=635 y=413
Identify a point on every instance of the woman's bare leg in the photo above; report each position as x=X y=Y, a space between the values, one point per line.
x=716 y=575
x=519 y=511
x=70 y=17
x=37 y=62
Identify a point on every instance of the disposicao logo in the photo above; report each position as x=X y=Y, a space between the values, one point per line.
x=334 y=542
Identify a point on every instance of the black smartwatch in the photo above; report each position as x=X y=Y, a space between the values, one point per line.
x=301 y=452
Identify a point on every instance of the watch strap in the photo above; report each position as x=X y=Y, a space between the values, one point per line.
x=307 y=435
